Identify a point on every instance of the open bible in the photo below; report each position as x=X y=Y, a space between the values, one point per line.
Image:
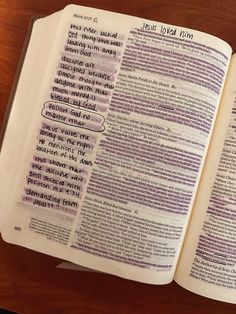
x=119 y=151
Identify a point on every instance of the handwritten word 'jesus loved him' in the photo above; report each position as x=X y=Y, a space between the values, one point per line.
x=166 y=30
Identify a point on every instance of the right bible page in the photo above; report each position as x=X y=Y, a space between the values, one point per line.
x=207 y=264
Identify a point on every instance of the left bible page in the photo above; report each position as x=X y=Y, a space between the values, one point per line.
x=109 y=156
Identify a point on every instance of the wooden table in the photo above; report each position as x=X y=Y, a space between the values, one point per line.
x=30 y=281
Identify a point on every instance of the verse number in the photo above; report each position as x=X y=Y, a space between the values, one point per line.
x=17 y=228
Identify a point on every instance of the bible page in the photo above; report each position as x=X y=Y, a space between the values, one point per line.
x=207 y=264
x=115 y=148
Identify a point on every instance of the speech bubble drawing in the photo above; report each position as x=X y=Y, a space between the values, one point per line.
x=73 y=116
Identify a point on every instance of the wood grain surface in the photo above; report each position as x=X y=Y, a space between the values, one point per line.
x=30 y=281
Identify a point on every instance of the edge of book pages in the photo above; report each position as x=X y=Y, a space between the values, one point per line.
x=72 y=266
